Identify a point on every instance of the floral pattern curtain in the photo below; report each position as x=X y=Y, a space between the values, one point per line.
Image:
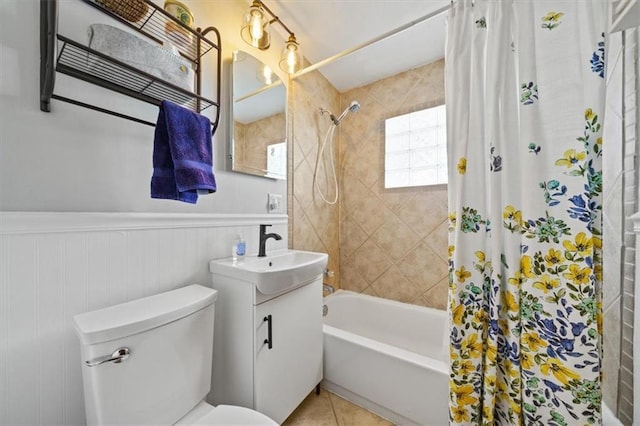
x=525 y=101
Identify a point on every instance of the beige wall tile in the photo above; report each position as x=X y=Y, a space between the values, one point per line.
x=395 y=238
x=393 y=285
x=423 y=267
x=438 y=295
x=391 y=243
x=370 y=261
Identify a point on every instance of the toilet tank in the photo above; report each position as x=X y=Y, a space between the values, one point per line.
x=168 y=371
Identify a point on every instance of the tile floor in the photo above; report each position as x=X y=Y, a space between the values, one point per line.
x=328 y=409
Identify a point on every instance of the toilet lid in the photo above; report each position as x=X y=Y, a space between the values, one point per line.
x=232 y=415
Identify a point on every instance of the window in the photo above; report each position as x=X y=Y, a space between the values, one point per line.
x=416 y=149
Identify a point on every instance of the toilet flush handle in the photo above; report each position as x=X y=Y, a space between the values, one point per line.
x=117 y=357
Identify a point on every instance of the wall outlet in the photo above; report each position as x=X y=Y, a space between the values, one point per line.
x=275 y=203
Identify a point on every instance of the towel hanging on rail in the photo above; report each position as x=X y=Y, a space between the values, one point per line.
x=182 y=155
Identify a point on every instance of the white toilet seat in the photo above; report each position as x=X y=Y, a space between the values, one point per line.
x=233 y=415
x=205 y=414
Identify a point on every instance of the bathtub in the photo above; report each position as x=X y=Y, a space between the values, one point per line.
x=388 y=357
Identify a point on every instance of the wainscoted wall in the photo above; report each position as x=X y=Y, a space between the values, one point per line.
x=250 y=142
x=393 y=242
x=315 y=224
x=56 y=265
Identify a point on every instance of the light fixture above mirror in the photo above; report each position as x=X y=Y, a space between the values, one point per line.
x=255 y=31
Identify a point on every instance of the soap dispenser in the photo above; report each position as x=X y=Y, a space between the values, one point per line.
x=239 y=249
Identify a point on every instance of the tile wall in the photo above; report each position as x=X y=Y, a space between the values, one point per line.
x=390 y=243
x=393 y=242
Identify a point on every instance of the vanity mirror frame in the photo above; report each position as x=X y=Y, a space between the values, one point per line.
x=263 y=126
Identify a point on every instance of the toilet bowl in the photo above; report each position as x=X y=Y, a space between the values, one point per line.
x=149 y=361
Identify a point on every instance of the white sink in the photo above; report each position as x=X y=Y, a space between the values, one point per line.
x=276 y=272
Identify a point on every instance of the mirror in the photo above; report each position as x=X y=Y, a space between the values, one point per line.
x=259 y=135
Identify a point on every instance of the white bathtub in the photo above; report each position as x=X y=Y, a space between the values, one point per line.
x=388 y=357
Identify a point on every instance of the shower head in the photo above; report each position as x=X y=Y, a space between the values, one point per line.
x=353 y=107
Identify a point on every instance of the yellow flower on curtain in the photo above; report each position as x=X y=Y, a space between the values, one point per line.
x=462 y=165
x=597 y=270
x=526 y=266
x=463 y=394
x=471 y=346
x=461 y=414
x=526 y=360
x=571 y=157
x=467 y=367
x=462 y=274
x=491 y=352
x=554 y=257
x=511 y=213
x=546 y=283
x=533 y=341
x=578 y=275
x=457 y=313
x=510 y=302
x=582 y=245
x=559 y=371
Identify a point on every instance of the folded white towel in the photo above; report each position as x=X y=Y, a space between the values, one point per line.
x=131 y=49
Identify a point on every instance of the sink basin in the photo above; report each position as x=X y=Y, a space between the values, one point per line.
x=278 y=271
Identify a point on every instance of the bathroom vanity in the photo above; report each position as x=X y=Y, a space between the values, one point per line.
x=268 y=331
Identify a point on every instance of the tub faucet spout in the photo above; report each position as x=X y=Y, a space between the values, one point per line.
x=263 y=239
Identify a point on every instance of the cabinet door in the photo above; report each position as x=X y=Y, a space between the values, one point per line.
x=286 y=373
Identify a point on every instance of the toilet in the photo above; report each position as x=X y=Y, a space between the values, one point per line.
x=149 y=361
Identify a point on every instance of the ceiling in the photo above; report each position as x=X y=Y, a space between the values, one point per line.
x=325 y=28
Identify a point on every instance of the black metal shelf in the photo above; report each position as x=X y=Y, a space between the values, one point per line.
x=79 y=61
x=87 y=64
x=153 y=22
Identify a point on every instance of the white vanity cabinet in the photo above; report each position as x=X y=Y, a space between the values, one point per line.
x=267 y=350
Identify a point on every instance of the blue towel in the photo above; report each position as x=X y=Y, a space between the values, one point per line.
x=182 y=155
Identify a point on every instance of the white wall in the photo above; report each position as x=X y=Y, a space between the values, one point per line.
x=74 y=159
x=56 y=265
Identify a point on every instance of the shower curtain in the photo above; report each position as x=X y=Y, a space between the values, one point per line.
x=525 y=101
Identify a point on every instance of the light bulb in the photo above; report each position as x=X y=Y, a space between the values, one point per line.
x=268 y=75
x=291 y=58
x=256 y=27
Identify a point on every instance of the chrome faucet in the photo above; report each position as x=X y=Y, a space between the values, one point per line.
x=263 y=239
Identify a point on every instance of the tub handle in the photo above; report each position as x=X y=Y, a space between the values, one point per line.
x=269 y=340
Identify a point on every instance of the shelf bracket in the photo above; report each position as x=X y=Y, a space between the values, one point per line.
x=48 y=30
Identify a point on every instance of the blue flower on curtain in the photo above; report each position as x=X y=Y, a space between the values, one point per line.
x=597 y=59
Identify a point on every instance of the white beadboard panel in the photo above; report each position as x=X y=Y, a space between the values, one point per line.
x=51 y=271
x=4 y=330
x=50 y=317
x=23 y=381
